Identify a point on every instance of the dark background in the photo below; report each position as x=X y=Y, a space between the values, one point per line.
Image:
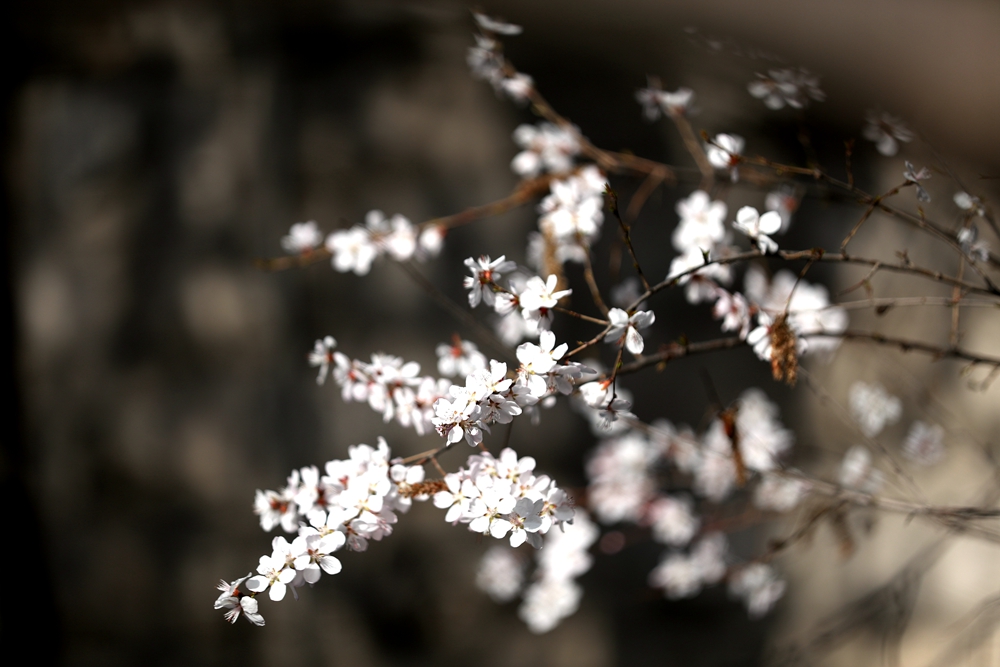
x=156 y=378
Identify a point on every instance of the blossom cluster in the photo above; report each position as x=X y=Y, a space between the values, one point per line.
x=780 y=316
x=356 y=500
x=624 y=471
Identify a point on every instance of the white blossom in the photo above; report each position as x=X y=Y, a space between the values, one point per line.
x=873 y=408
x=702 y=222
x=303 y=237
x=886 y=131
x=322 y=356
x=758 y=586
x=627 y=326
x=924 y=444
x=786 y=86
x=758 y=227
x=500 y=574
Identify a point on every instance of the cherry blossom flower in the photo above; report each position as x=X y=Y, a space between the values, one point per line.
x=655 y=100
x=886 y=131
x=322 y=356
x=873 y=408
x=539 y=295
x=973 y=246
x=856 y=471
x=969 y=203
x=924 y=444
x=303 y=237
x=702 y=222
x=352 y=250
x=236 y=602
x=460 y=358
x=547 y=147
x=625 y=326
x=758 y=586
x=620 y=477
x=913 y=176
x=734 y=311
x=672 y=520
x=786 y=86
x=724 y=153
x=757 y=227
x=780 y=494
x=701 y=284
x=500 y=574
x=485 y=274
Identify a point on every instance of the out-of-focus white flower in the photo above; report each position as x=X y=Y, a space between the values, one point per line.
x=302 y=237
x=322 y=356
x=786 y=86
x=734 y=311
x=872 y=407
x=758 y=227
x=969 y=203
x=762 y=439
x=655 y=100
x=913 y=176
x=701 y=284
x=672 y=520
x=500 y=574
x=352 y=250
x=972 y=245
x=620 y=474
x=702 y=222
x=886 y=131
x=758 y=586
x=547 y=147
x=924 y=443
x=780 y=494
x=683 y=576
x=856 y=471
x=461 y=358
x=627 y=326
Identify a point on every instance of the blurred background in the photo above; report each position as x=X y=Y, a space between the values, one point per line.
x=153 y=150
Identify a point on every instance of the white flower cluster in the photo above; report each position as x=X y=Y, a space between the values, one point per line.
x=572 y=215
x=388 y=384
x=502 y=496
x=623 y=484
x=489 y=396
x=786 y=86
x=808 y=307
x=547 y=147
x=553 y=594
x=700 y=236
x=357 y=500
x=856 y=471
x=534 y=298
x=682 y=575
x=356 y=248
